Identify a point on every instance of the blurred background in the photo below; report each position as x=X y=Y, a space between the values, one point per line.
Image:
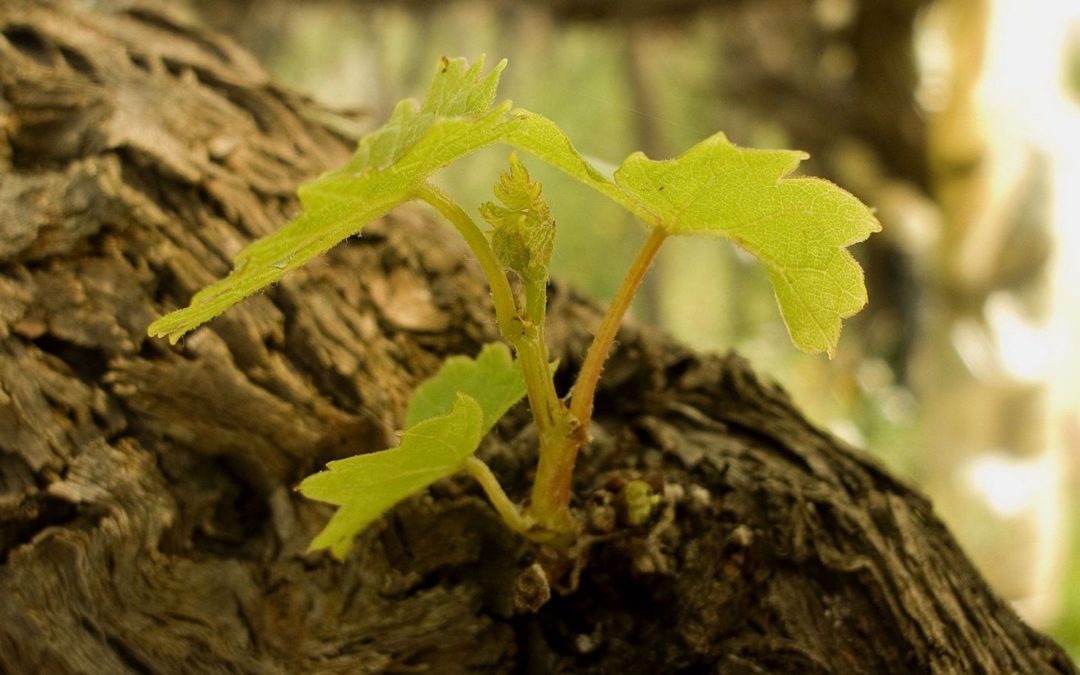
x=958 y=120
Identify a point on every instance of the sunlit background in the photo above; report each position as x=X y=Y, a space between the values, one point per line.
x=958 y=120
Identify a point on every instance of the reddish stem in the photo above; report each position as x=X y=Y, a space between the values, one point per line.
x=581 y=403
x=550 y=504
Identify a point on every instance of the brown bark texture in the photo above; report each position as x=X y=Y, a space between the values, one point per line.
x=147 y=518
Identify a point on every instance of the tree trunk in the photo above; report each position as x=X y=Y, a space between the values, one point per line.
x=147 y=521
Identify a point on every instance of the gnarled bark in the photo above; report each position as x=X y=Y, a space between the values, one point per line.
x=147 y=521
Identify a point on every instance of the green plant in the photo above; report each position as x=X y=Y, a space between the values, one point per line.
x=799 y=227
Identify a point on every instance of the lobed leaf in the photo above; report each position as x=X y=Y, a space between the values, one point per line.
x=799 y=228
x=366 y=486
x=456 y=118
x=542 y=138
x=494 y=380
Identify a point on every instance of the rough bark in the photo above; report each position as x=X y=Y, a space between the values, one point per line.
x=146 y=518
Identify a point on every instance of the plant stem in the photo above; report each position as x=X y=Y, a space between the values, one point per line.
x=506 y=508
x=581 y=402
x=536 y=302
x=550 y=502
x=501 y=294
x=562 y=431
x=527 y=337
x=538 y=384
x=535 y=354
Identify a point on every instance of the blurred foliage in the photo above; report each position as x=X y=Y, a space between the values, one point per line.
x=1073 y=66
x=1067 y=629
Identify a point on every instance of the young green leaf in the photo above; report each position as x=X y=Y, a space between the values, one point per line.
x=494 y=380
x=455 y=119
x=799 y=227
x=366 y=486
x=523 y=231
x=542 y=138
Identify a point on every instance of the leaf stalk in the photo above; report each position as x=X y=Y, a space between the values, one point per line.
x=501 y=293
x=550 y=503
x=581 y=402
x=506 y=509
x=523 y=332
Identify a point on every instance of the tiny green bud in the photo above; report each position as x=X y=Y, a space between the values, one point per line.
x=640 y=500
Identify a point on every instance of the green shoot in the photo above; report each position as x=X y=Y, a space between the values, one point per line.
x=389 y=168
x=799 y=228
x=447 y=417
x=493 y=380
x=367 y=485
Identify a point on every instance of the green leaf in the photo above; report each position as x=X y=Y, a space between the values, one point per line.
x=455 y=119
x=523 y=231
x=494 y=380
x=542 y=138
x=799 y=228
x=366 y=486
